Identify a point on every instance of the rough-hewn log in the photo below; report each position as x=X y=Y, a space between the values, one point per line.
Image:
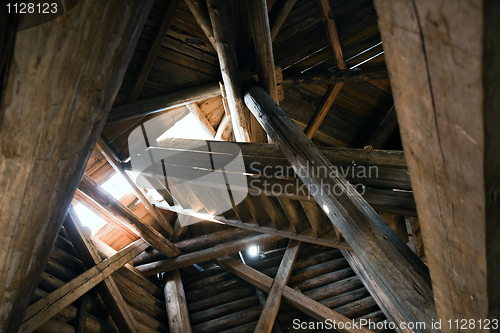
x=162 y=103
x=360 y=225
x=204 y=255
x=113 y=161
x=54 y=104
x=127 y=217
x=108 y=290
x=291 y=296
x=161 y=31
x=47 y=307
x=337 y=76
x=279 y=13
x=270 y=311
x=175 y=300
x=445 y=85
x=240 y=116
x=200 y=12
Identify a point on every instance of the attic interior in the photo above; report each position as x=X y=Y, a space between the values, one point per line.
x=250 y=166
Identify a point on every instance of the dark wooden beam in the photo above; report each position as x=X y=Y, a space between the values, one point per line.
x=204 y=255
x=112 y=159
x=384 y=130
x=279 y=12
x=127 y=217
x=175 y=300
x=270 y=310
x=110 y=295
x=360 y=225
x=162 y=103
x=331 y=32
x=445 y=84
x=46 y=308
x=336 y=76
x=161 y=31
x=59 y=89
x=240 y=116
x=81 y=314
x=200 y=12
x=291 y=296
x=322 y=110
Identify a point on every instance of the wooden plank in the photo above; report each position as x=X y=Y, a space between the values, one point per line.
x=202 y=120
x=240 y=116
x=270 y=311
x=175 y=300
x=322 y=110
x=336 y=76
x=453 y=89
x=127 y=217
x=110 y=295
x=161 y=31
x=279 y=12
x=51 y=131
x=114 y=162
x=291 y=296
x=360 y=225
x=204 y=255
x=162 y=103
x=44 y=309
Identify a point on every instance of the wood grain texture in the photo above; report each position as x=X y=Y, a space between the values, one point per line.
x=279 y=12
x=336 y=76
x=202 y=120
x=175 y=300
x=63 y=78
x=443 y=112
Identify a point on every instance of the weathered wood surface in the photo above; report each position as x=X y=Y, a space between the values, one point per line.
x=445 y=85
x=397 y=270
x=225 y=46
x=204 y=255
x=110 y=295
x=175 y=300
x=127 y=217
x=322 y=110
x=293 y=297
x=61 y=85
x=162 y=103
x=278 y=14
x=202 y=120
x=44 y=309
x=270 y=310
x=331 y=77
x=200 y=12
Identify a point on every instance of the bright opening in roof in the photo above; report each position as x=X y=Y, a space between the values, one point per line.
x=186 y=128
x=89 y=218
x=117 y=186
x=253 y=251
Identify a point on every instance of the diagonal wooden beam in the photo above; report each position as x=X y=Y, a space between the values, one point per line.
x=202 y=120
x=331 y=31
x=200 y=12
x=295 y=298
x=175 y=301
x=153 y=210
x=240 y=116
x=111 y=296
x=204 y=255
x=127 y=217
x=49 y=129
x=46 y=308
x=166 y=21
x=279 y=13
x=270 y=311
x=406 y=281
x=322 y=110
x=384 y=130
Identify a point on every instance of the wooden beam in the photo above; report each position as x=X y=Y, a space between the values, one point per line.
x=162 y=103
x=445 y=85
x=322 y=110
x=384 y=130
x=240 y=116
x=293 y=297
x=225 y=128
x=49 y=128
x=114 y=162
x=331 y=32
x=81 y=314
x=336 y=76
x=44 y=309
x=270 y=311
x=202 y=120
x=360 y=225
x=279 y=12
x=175 y=300
x=110 y=295
x=263 y=47
x=127 y=217
x=200 y=12
x=161 y=31
x=204 y=255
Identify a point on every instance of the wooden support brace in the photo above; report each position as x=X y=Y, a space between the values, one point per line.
x=175 y=300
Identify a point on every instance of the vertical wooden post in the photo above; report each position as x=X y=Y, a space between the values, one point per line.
x=175 y=300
